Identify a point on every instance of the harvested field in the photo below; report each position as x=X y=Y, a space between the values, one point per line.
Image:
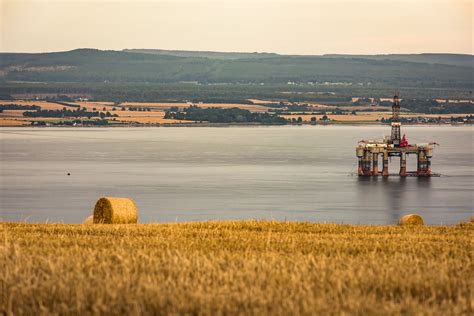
x=152 y=117
x=12 y=122
x=321 y=106
x=158 y=113
x=12 y=113
x=22 y=121
x=258 y=101
x=162 y=105
x=46 y=119
x=241 y=267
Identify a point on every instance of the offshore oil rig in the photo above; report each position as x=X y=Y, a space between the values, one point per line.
x=368 y=152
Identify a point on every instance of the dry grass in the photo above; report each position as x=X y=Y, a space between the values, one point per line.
x=250 y=267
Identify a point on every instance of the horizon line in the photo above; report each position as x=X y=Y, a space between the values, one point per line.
x=234 y=52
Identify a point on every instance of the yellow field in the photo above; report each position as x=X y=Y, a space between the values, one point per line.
x=22 y=121
x=158 y=113
x=12 y=122
x=12 y=113
x=242 y=267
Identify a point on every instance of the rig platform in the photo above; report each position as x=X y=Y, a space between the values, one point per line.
x=368 y=152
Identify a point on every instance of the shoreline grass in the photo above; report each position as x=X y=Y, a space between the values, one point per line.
x=236 y=267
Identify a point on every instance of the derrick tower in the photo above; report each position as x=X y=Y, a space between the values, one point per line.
x=395 y=135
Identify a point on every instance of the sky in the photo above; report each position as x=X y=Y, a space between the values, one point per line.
x=281 y=26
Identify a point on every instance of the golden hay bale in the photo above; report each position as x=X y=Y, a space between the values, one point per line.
x=114 y=210
x=89 y=220
x=411 y=219
x=472 y=218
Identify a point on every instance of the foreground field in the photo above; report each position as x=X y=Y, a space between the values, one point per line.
x=236 y=268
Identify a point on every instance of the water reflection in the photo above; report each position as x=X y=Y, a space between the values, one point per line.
x=394 y=196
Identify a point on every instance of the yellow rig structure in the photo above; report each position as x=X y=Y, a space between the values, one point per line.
x=368 y=152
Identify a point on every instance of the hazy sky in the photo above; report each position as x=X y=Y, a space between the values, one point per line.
x=282 y=26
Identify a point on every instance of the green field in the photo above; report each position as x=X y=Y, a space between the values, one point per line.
x=242 y=267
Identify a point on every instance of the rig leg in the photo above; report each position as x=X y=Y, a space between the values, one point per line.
x=424 y=164
x=418 y=163
x=428 y=166
x=420 y=169
x=403 y=165
x=360 y=171
x=367 y=159
x=385 y=164
x=375 y=164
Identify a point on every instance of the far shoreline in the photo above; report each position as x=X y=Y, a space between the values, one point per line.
x=224 y=125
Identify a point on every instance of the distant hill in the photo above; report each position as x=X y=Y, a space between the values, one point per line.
x=158 y=66
x=204 y=54
x=428 y=58
x=445 y=59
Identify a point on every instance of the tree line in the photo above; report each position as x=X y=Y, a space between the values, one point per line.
x=222 y=115
x=80 y=112
x=19 y=107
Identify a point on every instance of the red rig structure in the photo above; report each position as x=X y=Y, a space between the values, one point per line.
x=368 y=152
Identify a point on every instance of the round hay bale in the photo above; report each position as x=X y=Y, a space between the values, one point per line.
x=89 y=220
x=411 y=219
x=472 y=218
x=114 y=210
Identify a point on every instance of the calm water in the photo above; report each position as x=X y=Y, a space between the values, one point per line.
x=189 y=174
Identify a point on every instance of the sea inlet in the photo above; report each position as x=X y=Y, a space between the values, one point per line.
x=176 y=174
